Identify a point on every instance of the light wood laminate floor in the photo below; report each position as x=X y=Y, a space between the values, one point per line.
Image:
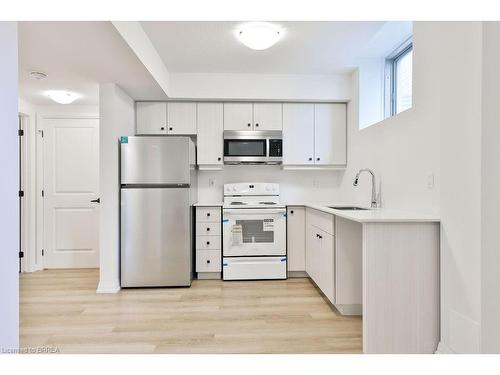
x=59 y=308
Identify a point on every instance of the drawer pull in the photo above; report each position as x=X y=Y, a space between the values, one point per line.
x=208 y=214
x=208 y=242
x=208 y=261
x=208 y=229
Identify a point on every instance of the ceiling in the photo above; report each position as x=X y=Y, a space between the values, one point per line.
x=77 y=56
x=306 y=47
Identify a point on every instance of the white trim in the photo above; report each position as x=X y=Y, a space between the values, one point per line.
x=312 y=167
x=354 y=309
x=297 y=274
x=443 y=349
x=209 y=276
x=103 y=288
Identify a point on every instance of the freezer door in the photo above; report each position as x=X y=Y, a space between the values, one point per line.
x=155 y=160
x=155 y=237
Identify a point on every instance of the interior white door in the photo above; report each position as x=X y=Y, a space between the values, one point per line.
x=330 y=134
x=298 y=133
x=210 y=137
x=238 y=116
x=151 y=118
x=268 y=116
x=181 y=118
x=71 y=181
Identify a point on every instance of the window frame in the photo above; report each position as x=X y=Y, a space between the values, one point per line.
x=390 y=76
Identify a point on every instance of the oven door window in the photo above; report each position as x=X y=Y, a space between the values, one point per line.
x=255 y=231
x=245 y=147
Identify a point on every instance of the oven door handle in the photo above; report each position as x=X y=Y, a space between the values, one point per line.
x=246 y=211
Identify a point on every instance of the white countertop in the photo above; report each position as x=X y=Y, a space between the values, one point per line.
x=208 y=204
x=375 y=215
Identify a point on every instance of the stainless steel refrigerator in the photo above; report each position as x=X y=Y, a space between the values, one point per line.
x=158 y=188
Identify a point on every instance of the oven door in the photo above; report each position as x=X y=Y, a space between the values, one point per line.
x=245 y=151
x=254 y=231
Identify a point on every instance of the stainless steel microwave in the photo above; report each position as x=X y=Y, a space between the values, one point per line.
x=253 y=147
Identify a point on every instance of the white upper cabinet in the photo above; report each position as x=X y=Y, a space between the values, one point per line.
x=209 y=140
x=238 y=116
x=267 y=116
x=181 y=118
x=330 y=128
x=298 y=134
x=151 y=118
x=165 y=118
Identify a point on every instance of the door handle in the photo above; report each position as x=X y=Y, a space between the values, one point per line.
x=98 y=200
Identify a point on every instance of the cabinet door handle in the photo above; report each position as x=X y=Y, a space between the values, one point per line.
x=218 y=159
x=208 y=214
x=257 y=124
x=208 y=261
x=208 y=242
x=162 y=128
x=317 y=159
x=170 y=128
x=249 y=125
x=98 y=200
x=291 y=212
x=208 y=229
x=310 y=159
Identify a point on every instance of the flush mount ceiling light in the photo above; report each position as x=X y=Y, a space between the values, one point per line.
x=62 y=96
x=259 y=35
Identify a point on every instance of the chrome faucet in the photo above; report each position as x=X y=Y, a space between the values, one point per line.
x=374 y=190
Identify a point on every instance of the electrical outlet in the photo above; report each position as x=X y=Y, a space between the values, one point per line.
x=430 y=181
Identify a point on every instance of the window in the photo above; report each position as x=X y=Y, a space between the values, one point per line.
x=399 y=67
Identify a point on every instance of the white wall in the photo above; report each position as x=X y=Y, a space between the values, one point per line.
x=9 y=230
x=260 y=86
x=295 y=186
x=402 y=150
x=460 y=145
x=442 y=136
x=490 y=192
x=117 y=118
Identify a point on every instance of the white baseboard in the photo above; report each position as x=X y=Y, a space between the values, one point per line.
x=108 y=288
x=354 y=309
x=209 y=275
x=292 y=274
x=443 y=349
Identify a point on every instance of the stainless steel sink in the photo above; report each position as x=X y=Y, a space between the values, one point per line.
x=350 y=208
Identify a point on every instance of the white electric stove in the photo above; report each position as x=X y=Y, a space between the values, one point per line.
x=254 y=232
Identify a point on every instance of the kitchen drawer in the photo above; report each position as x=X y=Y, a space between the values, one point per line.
x=208 y=261
x=207 y=242
x=321 y=220
x=208 y=229
x=210 y=214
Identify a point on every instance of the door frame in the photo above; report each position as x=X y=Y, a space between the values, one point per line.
x=30 y=234
x=34 y=186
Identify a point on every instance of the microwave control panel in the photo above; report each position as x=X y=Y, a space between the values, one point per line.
x=275 y=147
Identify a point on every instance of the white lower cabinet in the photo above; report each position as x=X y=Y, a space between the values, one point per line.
x=320 y=252
x=348 y=270
x=296 y=238
x=208 y=242
x=208 y=260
